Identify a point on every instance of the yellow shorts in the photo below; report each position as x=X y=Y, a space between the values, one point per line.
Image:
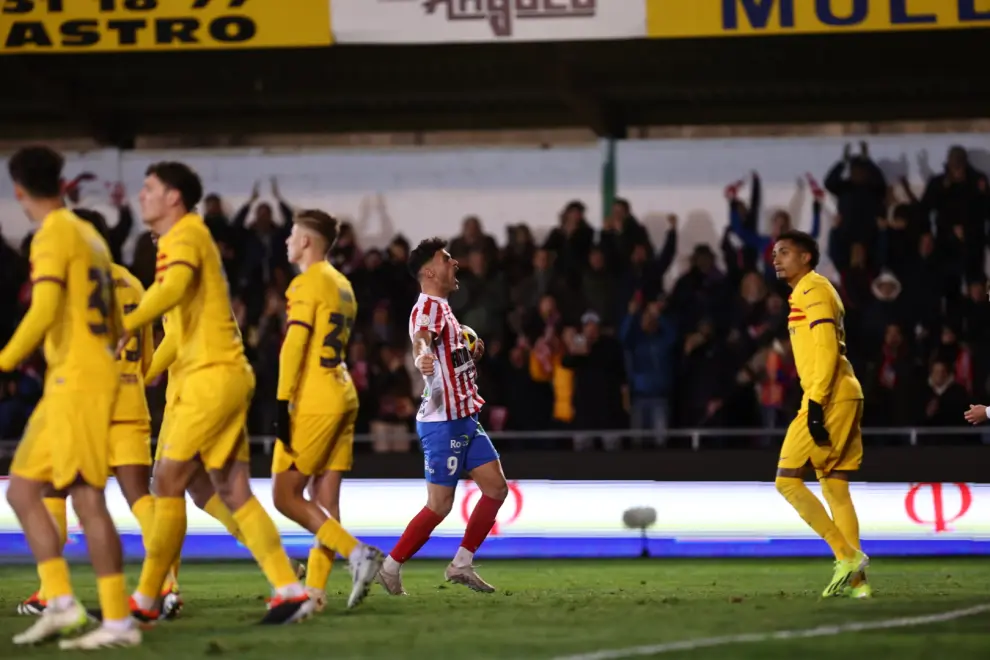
x=842 y=421
x=67 y=438
x=209 y=417
x=130 y=443
x=164 y=431
x=320 y=443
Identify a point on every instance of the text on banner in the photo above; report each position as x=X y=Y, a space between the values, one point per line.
x=38 y=26
x=714 y=18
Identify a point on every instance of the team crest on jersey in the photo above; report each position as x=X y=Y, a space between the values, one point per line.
x=423 y=321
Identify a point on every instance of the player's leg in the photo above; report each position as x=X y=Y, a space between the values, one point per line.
x=232 y=482
x=83 y=468
x=314 y=439
x=442 y=468
x=226 y=457
x=130 y=460
x=30 y=475
x=289 y=488
x=324 y=489
x=847 y=456
x=106 y=556
x=798 y=447
x=174 y=469
x=205 y=497
x=168 y=531
x=484 y=468
x=34 y=605
x=25 y=493
x=172 y=581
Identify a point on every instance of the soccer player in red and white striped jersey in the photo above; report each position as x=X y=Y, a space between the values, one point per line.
x=453 y=441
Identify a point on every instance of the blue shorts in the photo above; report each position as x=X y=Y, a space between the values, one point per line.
x=453 y=448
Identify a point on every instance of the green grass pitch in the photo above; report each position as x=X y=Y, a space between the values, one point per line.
x=552 y=609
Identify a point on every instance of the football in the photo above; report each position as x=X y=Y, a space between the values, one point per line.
x=470 y=338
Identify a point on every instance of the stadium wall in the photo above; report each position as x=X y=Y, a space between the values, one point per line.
x=586 y=519
x=428 y=191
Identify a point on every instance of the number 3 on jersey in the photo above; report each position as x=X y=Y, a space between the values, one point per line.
x=100 y=301
x=335 y=343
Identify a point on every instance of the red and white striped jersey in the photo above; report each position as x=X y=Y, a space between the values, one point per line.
x=451 y=392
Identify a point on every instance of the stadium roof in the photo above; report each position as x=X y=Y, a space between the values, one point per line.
x=608 y=86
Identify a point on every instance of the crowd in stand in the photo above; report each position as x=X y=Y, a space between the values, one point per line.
x=582 y=334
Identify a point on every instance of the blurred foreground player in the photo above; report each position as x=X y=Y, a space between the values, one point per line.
x=318 y=406
x=209 y=415
x=130 y=426
x=453 y=440
x=66 y=444
x=826 y=430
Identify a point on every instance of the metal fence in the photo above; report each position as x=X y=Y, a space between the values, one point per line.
x=696 y=439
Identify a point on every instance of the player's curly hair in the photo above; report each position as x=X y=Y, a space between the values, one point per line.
x=423 y=253
x=96 y=219
x=805 y=243
x=321 y=222
x=38 y=170
x=181 y=177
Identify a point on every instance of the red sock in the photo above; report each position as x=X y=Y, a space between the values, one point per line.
x=480 y=523
x=416 y=535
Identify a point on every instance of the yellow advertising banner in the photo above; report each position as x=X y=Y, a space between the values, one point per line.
x=725 y=18
x=61 y=26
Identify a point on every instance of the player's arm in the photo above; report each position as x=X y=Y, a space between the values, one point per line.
x=49 y=263
x=428 y=324
x=163 y=357
x=822 y=318
x=822 y=315
x=299 y=328
x=301 y=313
x=179 y=271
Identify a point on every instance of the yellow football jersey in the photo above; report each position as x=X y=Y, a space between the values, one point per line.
x=204 y=326
x=818 y=340
x=321 y=300
x=80 y=345
x=132 y=404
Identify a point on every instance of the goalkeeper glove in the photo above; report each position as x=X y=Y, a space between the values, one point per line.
x=816 y=424
x=282 y=424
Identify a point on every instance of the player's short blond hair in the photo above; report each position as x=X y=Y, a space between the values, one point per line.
x=321 y=222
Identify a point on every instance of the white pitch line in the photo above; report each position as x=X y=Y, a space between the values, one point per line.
x=749 y=638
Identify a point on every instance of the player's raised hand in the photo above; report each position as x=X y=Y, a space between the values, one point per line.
x=976 y=414
x=424 y=362
x=816 y=424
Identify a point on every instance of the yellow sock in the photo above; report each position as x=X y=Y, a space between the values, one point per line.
x=318 y=568
x=836 y=492
x=144 y=511
x=54 y=574
x=113 y=597
x=164 y=544
x=813 y=512
x=262 y=539
x=216 y=508
x=333 y=536
x=57 y=508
